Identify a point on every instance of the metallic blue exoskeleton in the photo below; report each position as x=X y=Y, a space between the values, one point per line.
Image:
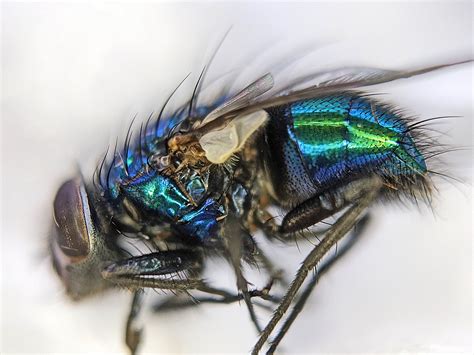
x=200 y=182
x=320 y=143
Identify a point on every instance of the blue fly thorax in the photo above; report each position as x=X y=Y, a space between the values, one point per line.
x=129 y=162
x=131 y=177
x=159 y=196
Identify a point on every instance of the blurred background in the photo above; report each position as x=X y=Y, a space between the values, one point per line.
x=73 y=75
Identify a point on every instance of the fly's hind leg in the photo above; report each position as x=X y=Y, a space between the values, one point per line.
x=357 y=196
x=313 y=210
x=321 y=270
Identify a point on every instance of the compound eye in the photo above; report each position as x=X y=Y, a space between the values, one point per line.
x=73 y=220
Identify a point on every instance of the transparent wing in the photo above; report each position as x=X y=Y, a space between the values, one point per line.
x=242 y=99
x=338 y=80
x=341 y=75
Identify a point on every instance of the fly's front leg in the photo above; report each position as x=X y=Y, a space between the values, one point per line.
x=133 y=332
x=359 y=195
x=144 y=271
x=162 y=270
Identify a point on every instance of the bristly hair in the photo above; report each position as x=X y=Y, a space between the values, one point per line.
x=160 y=115
x=417 y=185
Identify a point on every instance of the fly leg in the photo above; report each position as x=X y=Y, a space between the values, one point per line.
x=138 y=272
x=270 y=227
x=358 y=195
x=320 y=271
x=174 y=303
x=315 y=209
x=275 y=273
x=145 y=271
x=132 y=331
x=234 y=244
x=168 y=270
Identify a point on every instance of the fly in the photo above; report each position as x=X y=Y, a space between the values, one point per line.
x=200 y=182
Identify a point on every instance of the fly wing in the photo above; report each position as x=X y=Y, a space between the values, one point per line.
x=338 y=80
x=242 y=99
x=326 y=77
x=225 y=130
x=220 y=145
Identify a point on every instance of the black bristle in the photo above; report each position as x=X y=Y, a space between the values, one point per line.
x=99 y=175
x=126 y=145
x=140 y=148
x=205 y=70
x=95 y=178
x=111 y=165
x=146 y=127
x=418 y=123
x=158 y=119
x=194 y=96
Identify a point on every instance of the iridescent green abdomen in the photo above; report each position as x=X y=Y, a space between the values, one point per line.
x=347 y=134
x=338 y=138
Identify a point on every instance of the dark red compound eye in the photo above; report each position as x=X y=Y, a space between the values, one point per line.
x=73 y=221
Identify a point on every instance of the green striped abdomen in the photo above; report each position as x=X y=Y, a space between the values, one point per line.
x=348 y=135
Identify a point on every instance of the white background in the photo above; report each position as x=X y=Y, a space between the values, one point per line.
x=74 y=75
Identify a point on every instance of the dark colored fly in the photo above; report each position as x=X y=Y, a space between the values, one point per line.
x=200 y=182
